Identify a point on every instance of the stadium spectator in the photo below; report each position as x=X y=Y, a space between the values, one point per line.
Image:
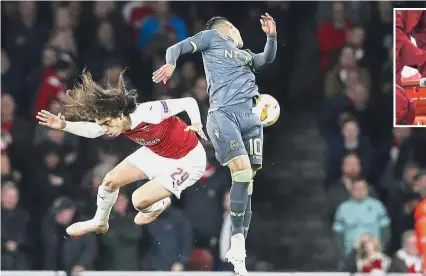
x=350 y=141
x=122 y=242
x=71 y=255
x=103 y=48
x=357 y=40
x=336 y=78
x=50 y=180
x=367 y=257
x=15 y=134
x=15 y=240
x=54 y=84
x=361 y=214
x=332 y=36
x=401 y=202
x=407 y=259
x=172 y=228
x=162 y=22
x=135 y=13
x=340 y=191
x=25 y=37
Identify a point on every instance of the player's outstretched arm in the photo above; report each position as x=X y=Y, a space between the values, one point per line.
x=268 y=55
x=198 y=42
x=84 y=129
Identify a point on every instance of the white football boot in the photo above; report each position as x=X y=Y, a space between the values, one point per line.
x=237 y=254
x=82 y=228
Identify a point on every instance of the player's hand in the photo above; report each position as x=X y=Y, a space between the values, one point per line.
x=163 y=74
x=268 y=24
x=197 y=128
x=53 y=121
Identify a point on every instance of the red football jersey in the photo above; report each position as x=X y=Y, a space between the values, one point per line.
x=167 y=139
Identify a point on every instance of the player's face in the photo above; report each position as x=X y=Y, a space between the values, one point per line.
x=112 y=126
x=235 y=34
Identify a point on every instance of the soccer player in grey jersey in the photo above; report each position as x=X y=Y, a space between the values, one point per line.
x=235 y=131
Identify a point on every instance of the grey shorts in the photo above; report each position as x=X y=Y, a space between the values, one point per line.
x=235 y=130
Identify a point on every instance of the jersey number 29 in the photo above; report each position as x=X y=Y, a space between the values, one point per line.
x=179 y=177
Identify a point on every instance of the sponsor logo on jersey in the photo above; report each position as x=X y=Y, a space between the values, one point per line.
x=165 y=107
x=144 y=128
x=143 y=142
x=233 y=144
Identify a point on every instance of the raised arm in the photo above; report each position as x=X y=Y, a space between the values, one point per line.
x=270 y=29
x=268 y=55
x=198 y=42
x=157 y=111
x=84 y=129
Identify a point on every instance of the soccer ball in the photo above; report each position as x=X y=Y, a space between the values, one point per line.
x=268 y=109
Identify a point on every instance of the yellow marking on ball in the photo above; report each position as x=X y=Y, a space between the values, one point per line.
x=264 y=113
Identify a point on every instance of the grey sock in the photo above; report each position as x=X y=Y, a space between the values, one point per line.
x=239 y=198
x=247 y=217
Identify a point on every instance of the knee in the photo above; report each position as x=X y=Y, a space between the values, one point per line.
x=140 y=202
x=243 y=176
x=111 y=181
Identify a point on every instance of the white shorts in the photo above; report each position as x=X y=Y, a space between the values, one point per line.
x=175 y=175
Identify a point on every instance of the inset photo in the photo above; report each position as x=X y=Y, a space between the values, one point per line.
x=410 y=67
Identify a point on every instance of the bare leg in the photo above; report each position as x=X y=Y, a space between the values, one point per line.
x=123 y=174
x=151 y=200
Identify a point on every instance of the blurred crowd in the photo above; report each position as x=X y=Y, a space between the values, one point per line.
x=50 y=178
x=373 y=170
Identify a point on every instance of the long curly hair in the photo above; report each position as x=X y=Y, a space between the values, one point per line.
x=88 y=100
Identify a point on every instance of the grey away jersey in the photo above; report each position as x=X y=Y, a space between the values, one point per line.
x=229 y=70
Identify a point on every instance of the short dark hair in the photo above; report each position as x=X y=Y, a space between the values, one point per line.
x=215 y=21
x=90 y=101
x=350 y=119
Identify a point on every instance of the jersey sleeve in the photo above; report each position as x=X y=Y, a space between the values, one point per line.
x=84 y=129
x=267 y=56
x=198 y=42
x=157 y=111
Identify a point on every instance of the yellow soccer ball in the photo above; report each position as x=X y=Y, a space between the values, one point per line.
x=268 y=109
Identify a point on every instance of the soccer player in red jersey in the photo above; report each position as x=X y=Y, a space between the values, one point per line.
x=420 y=217
x=171 y=155
x=410 y=23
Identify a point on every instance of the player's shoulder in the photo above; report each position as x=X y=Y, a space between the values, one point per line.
x=210 y=34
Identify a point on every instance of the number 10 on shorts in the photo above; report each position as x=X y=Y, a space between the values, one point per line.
x=255 y=145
